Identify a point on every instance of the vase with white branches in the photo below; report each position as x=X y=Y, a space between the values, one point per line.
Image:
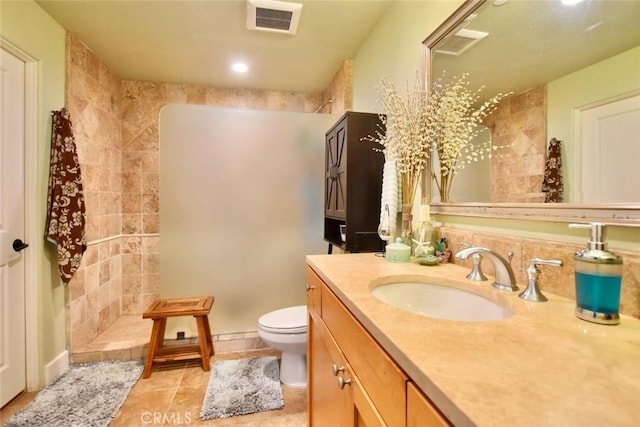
x=404 y=140
x=452 y=122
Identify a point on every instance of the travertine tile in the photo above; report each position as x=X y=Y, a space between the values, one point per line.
x=557 y=280
x=519 y=124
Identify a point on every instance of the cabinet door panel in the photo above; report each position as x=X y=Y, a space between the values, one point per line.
x=328 y=404
x=330 y=185
x=420 y=411
x=365 y=411
x=341 y=166
x=336 y=173
x=383 y=380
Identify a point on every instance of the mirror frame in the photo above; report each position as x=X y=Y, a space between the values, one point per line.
x=622 y=213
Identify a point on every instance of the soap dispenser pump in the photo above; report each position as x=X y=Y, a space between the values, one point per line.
x=598 y=276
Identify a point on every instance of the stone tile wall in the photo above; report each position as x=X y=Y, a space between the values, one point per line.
x=116 y=130
x=556 y=280
x=93 y=101
x=339 y=91
x=519 y=125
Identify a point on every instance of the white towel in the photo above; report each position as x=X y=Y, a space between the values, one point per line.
x=389 y=198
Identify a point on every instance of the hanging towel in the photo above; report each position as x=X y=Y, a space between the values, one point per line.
x=552 y=184
x=389 y=196
x=65 y=203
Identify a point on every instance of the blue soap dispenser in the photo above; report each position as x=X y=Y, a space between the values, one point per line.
x=598 y=275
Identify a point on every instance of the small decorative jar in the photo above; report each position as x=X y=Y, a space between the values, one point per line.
x=398 y=251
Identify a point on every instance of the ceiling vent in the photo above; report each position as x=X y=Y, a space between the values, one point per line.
x=460 y=42
x=274 y=16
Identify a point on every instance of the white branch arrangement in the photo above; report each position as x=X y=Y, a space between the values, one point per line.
x=405 y=137
x=452 y=125
x=445 y=124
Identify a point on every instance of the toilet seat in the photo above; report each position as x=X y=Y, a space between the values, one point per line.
x=291 y=320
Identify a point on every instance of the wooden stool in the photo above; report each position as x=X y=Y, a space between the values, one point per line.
x=159 y=311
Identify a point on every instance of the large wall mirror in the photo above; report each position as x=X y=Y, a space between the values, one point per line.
x=573 y=69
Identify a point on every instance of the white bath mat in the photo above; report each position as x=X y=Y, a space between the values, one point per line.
x=87 y=395
x=240 y=387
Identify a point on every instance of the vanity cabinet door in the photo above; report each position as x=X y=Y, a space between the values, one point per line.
x=383 y=381
x=420 y=411
x=365 y=412
x=329 y=405
x=336 y=395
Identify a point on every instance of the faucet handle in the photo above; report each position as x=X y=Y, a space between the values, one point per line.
x=537 y=261
x=532 y=292
x=476 y=272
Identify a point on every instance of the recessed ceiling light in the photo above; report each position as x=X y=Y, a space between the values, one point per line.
x=240 y=67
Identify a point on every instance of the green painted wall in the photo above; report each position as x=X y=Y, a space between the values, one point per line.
x=607 y=79
x=25 y=25
x=394 y=48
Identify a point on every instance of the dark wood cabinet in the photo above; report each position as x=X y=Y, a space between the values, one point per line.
x=353 y=183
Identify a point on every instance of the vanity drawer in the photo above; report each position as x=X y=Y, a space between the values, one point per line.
x=314 y=286
x=381 y=378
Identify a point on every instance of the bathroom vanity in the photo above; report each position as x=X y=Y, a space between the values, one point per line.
x=351 y=376
x=374 y=364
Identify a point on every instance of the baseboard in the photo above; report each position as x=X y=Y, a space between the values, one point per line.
x=226 y=343
x=244 y=341
x=56 y=367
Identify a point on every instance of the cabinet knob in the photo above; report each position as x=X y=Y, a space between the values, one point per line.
x=343 y=382
x=309 y=287
x=337 y=369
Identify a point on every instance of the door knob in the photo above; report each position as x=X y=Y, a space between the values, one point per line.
x=19 y=245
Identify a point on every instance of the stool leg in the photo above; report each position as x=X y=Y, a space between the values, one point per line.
x=205 y=351
x=163 y=328
x=207 y=330
x=153 y=346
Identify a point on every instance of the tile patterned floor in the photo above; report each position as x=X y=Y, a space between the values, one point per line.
x=174 y=393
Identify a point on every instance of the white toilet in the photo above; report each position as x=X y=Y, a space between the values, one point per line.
x=286 y=330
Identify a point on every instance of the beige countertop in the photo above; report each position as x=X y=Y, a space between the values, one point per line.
x=540 y=367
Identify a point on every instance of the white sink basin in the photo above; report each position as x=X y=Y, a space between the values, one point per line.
x=442 y=302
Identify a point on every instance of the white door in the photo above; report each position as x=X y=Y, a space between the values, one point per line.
x=12 y=228
x=610 y=136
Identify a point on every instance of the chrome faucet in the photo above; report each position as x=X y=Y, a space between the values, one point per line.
x=505 y=279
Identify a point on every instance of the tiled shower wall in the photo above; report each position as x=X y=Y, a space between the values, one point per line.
x=93 y=101
x=519 y=126
x=116 y=130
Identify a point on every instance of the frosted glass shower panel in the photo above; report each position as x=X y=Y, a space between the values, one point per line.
x=241 y=204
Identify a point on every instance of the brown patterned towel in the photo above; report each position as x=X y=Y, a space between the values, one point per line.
x=65 y=202
x=552 y=184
